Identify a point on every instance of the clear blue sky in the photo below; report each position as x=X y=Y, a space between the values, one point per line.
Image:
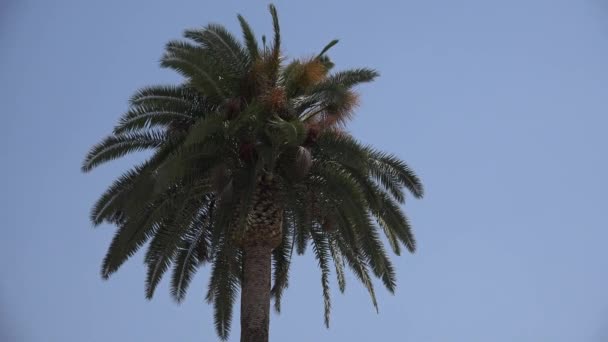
x=501 y=107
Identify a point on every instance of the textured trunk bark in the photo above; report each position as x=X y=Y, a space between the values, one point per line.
x=255 y=294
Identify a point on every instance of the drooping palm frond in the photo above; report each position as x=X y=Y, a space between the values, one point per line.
x=193 y=251
x=116 y=146
x=321 y=250
x=136 y=229
x=162 y=106
x=107 y=208
x=338 y=264
x=224 y=285
x=391 y=164
x=356 y=263
x=167 y=240
x=281 y=259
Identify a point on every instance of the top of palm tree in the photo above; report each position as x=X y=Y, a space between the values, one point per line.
x=243 y=116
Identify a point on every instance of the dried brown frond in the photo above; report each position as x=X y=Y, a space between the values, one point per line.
x=341 y=110
x=258 y=76
x=275 y=99
x=312 y=72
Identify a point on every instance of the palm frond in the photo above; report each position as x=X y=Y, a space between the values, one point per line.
x=150 y=117
x=281 y=258
x=108 y=205
x=192 y=252
x=327 y=47
x=137 y=229
x=116 y=146
x=224 y=285
x=320 y=247
x=165 y=244
x=298 y=204
x=338 y=263
x=203 y=129
x=249 y=38
x=276 y=47
x=389 y=163
x=162 y=106
x=356 y=263
x=342 y=149
x=350 y=78
x=161 y=95
x=395 y=220
x=221 y=45
x=373 y=250
x=389 y=180
x=343 y=190
x=199 y=69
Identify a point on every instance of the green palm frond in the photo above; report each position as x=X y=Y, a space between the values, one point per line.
x=107 y=206
x=223 y=287
x=320 y=247
x=338 y=263
x=348 y=78
x=343 y=191
x=146 y=117
x=203 y=129
x=249 y=38
x=389 y=180
x=343 y=149
x=327 y=47
x=396 y=221
x=161 y=106
x=276 y=28
x=373 y=250
x=197 y=67
x=385 y=162
x=222 y=46
x=136 y=230
x=357 y=265
x=299 y=207
x=131 y=191
x=166 y=94
x=166 y=242
x=192 y=252
x=245 y=186
x=281 y=259
x=116 y=146
x=139 y=220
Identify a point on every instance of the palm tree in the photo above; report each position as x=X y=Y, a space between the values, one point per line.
x=250 y=161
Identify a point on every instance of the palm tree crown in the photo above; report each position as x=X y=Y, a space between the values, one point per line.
x=247 y=141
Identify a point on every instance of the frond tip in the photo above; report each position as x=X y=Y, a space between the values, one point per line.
x=327 y=47
x=277 y=29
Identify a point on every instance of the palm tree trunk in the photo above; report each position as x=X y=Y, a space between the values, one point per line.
x=255 y=294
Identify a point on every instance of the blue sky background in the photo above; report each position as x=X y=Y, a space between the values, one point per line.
x=500 y=106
